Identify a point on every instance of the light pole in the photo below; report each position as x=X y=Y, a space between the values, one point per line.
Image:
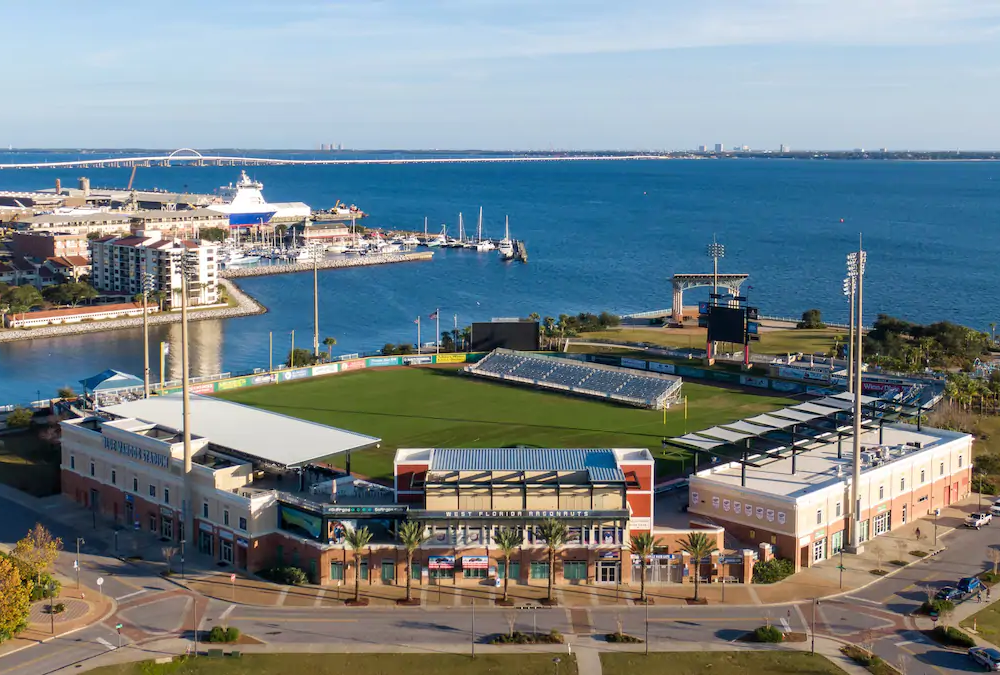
x=185 y=265
x=812 y=648
x=147 y=286
x=52 y=605
x=850 y=290
x=647 y=627
x=79 y=541
x=856 y=271
x=315 y=257
x=473 y=634
x=982 y=476
x=183 y=541
x=291 y=354
x=715 y=251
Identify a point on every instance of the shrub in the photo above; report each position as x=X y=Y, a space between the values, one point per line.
x=57 y=608
x=989 y=578
x=232 y=634
x=20 y=418
x=899 y=563
x=217 y=634
x=519 y=638
x=919 y=554
x=289 y=576
x=951 y=636
x=936 y=606
x=873 y=663
x=40 y=590
x=878 y=573
x=767 y=634
x=983 y=484
x=772 y=571
x=623 y=638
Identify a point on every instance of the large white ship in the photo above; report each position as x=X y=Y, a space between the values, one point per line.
x=245 y=205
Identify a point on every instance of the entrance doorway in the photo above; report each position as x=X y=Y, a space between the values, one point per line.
x=226 y=551
x=205 y=542
x=882 y=523
x=388 y=572
x=607 y=572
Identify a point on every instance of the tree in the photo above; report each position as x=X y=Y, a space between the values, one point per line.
x=39 y=549
x=412 y=535
x=698 y=545
x=994 y=554
x=388 y=349
x=993 y=331
x=66 y=393
x=15 y=600
x=330 y=343
x=213 y=234
x=508 y=540
x=877 y=550
x=534 y=316
x=20 y=418
x=91 y=236
x=554 y=533
x=447 y=341
x=299 y=357
x=77 y=292
x=466 y=335
x=23 y=298
x=642 y=546
x=811 y=318
x=168 y=554
x=160 y=297
x=357 y=539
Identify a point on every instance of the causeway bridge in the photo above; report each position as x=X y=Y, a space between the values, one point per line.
x=190 y=157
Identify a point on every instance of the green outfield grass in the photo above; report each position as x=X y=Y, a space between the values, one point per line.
x=437 y=407
x=771 y=341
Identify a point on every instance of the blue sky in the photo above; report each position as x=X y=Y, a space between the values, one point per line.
x=539 y=74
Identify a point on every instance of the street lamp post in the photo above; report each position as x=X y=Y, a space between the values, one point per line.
x=79 y=541
x=52 y=605
x=812 y=648
x=647 y=627
x=715 y=251
x=473 y=635
x=856 y=272
x=315 y=258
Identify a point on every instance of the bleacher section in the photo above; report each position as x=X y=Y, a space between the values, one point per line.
x=647 y=390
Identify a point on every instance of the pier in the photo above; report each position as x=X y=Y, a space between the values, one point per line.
x=329 y=263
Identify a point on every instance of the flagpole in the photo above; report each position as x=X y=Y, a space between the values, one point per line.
x=437 y=330
x=418 y=334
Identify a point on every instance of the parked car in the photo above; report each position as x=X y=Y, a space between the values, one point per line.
x=948 y=593
x=995 y=510
x=970 y=585
x=986 y=656
x=977 y=520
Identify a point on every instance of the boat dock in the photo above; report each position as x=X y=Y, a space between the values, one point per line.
x=326 y=264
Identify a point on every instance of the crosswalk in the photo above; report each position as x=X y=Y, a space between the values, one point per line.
x=105 y=643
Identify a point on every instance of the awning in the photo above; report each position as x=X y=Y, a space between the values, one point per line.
x=110 y=380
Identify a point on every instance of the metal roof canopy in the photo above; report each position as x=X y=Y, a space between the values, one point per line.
x=251 y=432
x=601 y=465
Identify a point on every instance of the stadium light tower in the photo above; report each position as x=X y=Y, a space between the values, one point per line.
x=856 y=272
x=850 y=290
x=715 y=251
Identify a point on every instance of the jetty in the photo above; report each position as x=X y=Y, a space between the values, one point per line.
x=326 y=264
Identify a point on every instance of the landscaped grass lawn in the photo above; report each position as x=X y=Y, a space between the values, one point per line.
x=354 y=664
x=29 y=464
x=987 y=622
x=771 y=341
x=721 y=663
x=436 y=407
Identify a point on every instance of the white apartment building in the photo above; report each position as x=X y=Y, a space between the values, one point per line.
x=120 y=263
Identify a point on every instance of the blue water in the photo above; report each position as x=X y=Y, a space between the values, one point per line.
x=601 y=236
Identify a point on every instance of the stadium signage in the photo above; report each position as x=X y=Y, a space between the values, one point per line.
x=137 y=453
x=520 y=514
x=417 y=360
x=354 y=510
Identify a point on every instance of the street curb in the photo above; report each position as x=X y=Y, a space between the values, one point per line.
x=102 y=619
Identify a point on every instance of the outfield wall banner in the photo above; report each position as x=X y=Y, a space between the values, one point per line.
x=326 y=369
x=750 y=381
x=353 y=365
x=684 y=371
x=869 y=387
x=821 y=375
x=287 y=375
x=449 y=358
x=417 y=360
x=203 y=388
x=786 y=387
x=379 y=361
x=608 y=360
x=791 y=373
x=723 y=376
x=633 y=363
x=264 y=379
x=662 y=367
x=235 y=383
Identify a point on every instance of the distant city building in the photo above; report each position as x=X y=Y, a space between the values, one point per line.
x=702 y=148
x=745 y=148
x=119 y=264
x=48 y=244
x=785 y=148
x=340 y=146
x=720 y=147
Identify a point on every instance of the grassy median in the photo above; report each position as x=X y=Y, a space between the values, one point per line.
x=436 y=407
x=725 y=663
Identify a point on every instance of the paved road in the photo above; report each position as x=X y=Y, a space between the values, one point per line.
x=152 y=608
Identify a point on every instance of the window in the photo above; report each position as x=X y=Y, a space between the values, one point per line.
x=243 y=524
x=902 y=484
x=152 y=490
x=336 y=571
x=539 y=570
x=166 y=495
x=922 y=477
x=92 y=471
x=959 y=461
x=575 y=570
x=135 y=484
x=72 y=462
x=819 y=516
x=881 y=492
x=753 y=534
x=204 y=510
x=838 y=509
x=941 y=469
x=774 y=540
x=225 y=517
x=114 y=477
x=152 y=522
x=476 y=573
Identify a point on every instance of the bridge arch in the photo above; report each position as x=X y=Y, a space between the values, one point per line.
x=189 y=153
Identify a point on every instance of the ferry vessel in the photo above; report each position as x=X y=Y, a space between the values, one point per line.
x=244 y=203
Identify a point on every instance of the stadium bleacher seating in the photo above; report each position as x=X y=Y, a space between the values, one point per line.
x=604 y=381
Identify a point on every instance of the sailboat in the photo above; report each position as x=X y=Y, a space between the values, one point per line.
x=439 y=240
x=506 y=247
x=460 y=242
x=482 y=245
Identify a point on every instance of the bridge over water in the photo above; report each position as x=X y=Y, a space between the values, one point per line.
x=189 y=157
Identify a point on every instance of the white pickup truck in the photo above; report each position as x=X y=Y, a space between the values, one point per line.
x=977 y=520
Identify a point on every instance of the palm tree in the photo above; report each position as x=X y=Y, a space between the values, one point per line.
x=642 y=546
x=329 y=344
x=412 y=534
x=993 y=331
x=357 y=540
x=508 y=540
x=698 y=545
x=555 y=533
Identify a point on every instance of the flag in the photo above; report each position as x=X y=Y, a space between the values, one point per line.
x=417 y=320
x=166 y=347
x=433 y=315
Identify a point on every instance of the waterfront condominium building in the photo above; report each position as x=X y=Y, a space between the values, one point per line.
x=119 y=264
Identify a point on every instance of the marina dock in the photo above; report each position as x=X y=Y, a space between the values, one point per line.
x=326 y=264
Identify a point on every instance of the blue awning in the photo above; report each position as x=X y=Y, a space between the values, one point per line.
x=110 y=380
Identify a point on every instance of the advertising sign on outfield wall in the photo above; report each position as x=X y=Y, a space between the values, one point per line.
x=417 y=360
x=633 y=363
x=203 y=388
x=752 y=381
x=449 y=358
x=378 y=361
x=235 y=383
x=326 y=369
x=287 y=375
x=352 y=365
x=662 y=367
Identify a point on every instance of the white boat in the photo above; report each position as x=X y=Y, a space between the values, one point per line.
x=460 y=242
x=411 y=241
x=482 y=245
x=244 y=203
x=506 y=247
x=439 y=240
